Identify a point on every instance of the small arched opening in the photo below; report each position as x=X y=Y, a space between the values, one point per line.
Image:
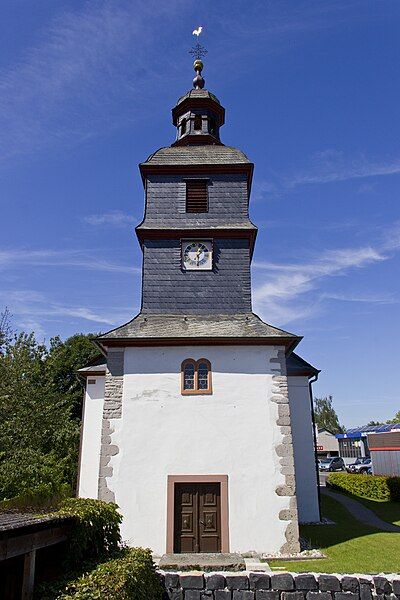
x=197 y=123
x=183 y=126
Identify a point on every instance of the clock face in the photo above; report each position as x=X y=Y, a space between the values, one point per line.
x=197 y=255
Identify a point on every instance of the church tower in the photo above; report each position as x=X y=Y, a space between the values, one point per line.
x=191 y=429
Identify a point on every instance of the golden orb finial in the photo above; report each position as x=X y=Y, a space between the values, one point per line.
x=198 y=65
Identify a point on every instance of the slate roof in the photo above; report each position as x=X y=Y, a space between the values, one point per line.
x=93 y=369
x=195 y=155
x=298 y=366
x=12 y=521
x=96 y=365
x=159 y=327
x=198 y=94
x=198 y=224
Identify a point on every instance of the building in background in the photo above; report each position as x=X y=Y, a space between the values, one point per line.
x=384 y=448
x=327 y=444
x=354 y=443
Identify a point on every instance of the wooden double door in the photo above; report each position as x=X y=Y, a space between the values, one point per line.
x=197 y=517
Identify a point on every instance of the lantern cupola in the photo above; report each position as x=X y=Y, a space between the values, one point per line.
x=198 y=115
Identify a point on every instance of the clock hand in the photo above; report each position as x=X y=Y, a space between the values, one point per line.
x=198 y=255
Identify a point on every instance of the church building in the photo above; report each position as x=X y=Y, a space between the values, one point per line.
x=197 y=417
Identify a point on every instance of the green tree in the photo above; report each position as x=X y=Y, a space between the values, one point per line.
x=325 y=415
x=5 y=329
x=38 y=438
x=63 y=361
x=374 y=423
x=396 y=418
x=40 y=399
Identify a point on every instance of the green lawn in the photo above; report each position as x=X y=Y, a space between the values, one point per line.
x=351 y=547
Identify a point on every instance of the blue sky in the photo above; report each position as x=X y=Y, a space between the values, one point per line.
x=311 y=91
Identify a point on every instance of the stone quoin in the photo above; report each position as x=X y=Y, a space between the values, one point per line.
x=197 y=416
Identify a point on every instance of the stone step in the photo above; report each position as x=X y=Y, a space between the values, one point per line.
x=202 y=562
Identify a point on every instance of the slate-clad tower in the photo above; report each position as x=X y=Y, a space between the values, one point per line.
x=189 y=428
x=220 y=178
x=197 y=192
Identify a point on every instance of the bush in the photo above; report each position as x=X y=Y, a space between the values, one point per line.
x=373 y=487
x=96 y=533
x=130 y=576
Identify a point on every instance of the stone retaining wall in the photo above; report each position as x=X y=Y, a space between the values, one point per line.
x=278 y=586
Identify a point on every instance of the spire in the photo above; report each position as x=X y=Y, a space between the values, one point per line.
x=198 y=51
x=198 y=115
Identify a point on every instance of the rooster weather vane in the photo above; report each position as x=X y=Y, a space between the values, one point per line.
x=198 y=51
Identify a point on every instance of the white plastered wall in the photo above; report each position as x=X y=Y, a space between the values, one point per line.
x=303 y=446
x=91 y=438
x=231 y=432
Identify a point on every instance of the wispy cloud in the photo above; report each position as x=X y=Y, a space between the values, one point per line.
x=294 y=291
x=33 y=311
x=114 y=218
x=85 y=75
x=328 y=166
x=363 y=298
x=62 y=258
x=332 y=165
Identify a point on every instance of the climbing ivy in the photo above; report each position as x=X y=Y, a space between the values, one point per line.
x=96 y=532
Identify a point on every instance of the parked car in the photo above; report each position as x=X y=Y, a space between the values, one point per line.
x=361 y=465
x=332 y=464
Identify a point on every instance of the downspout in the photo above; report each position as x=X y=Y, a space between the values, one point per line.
x=310 y=382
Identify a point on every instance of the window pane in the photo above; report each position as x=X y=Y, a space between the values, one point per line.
x=188 y=377
x=203 y=376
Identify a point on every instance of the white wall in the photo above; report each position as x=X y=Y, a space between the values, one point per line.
x=91 y=438
x=231 y=432
x=303 y=444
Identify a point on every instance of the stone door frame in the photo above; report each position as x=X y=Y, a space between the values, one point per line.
x=222 y=480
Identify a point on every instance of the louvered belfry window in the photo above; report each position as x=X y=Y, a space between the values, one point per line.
x=196 y=196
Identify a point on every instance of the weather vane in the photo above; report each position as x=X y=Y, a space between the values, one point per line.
x=198 y=51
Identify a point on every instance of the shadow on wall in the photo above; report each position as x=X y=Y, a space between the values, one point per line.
x=246 y=360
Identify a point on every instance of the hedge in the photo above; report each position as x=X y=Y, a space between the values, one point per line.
x=130 y=576
x=373 y=487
